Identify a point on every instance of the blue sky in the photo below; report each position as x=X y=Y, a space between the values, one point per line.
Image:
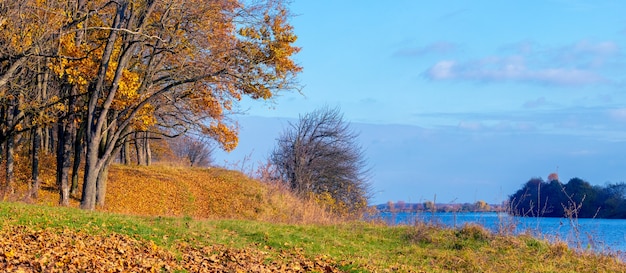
x=465 y=100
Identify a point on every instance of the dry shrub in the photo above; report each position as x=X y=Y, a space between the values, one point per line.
x=424 y=233
x=559 y=249
x=290 y=207
x=287 y=207
x=473 y=231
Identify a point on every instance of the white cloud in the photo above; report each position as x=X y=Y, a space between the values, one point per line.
x=576 y=64
x=586 y=54
x=618 y=114
x=443 y=70
x=510 y=69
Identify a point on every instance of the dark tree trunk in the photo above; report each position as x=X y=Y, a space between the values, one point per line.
x=88 y=198
x=103 y=178
x=126 y=151
x=12 y=113
x=146 y=146
x=34 y=189
x=64 y=152
x=141 y=155
x=101 y=185
x=78 y=152
x=10 y=165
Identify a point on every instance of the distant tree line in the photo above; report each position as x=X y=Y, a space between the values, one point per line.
x=577 y=198
x=430 y=206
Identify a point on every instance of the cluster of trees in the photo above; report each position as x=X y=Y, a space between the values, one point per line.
x=318 y=157
x=430 y=206
x=577 y=198
x=86 y=79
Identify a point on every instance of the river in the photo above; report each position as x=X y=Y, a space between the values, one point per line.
x=600 y=235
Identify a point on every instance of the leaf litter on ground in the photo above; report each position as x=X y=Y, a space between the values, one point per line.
x=25 y=249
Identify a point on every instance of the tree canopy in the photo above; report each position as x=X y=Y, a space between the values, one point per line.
x=99 y=71
x=319 y=156
x=576 y=198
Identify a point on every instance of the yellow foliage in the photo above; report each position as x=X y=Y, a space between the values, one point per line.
x=76 y=66
x=144 y=118
x=208 y=47
x=224 y=135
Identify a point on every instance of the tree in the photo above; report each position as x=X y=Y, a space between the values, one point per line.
x=141 y=59
x=319 y=156
x=575 y=199
x=195 y=152
x=553 y=177
x=106 y=71
x=27 y=31
x=481 y=205
x=429 y=206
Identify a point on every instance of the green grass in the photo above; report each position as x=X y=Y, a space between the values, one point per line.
x=358 y=246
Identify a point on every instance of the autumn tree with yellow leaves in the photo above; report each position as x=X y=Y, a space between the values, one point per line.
x=149 y=66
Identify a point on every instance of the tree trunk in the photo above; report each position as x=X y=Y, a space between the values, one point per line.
x=92 y=170
x=146 y=146
x=10 y=176
x=139 y=149
x=12 y=113
x=101 y=185
x=34 y=189
x=99 y=111
x=51 y=140
x=64 y=150
x=127 y=151
x=78 y=152
x=103 y=178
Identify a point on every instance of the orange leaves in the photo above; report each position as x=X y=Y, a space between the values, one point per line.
x=224 y=135
x=553 y=177
x=71 y=251
x=218 y=258
x=271 y=43
x=281 y=48
x=161 y=190
x=47 y=250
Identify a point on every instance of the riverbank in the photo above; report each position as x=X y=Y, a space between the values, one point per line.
x=32 y=235
x=598 y=235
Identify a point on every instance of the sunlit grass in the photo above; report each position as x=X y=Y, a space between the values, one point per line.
x=353 y=245
x=188 y=209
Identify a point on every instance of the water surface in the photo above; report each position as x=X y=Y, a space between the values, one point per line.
x=600 y=235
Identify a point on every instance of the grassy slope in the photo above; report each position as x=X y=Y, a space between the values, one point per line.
x=163 y=190
x=40 y=236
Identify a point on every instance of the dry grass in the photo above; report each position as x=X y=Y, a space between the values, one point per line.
x=167 y=190
x=174 y=190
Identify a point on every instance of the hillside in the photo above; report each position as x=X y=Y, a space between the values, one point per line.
x=215 y=220
x=163 y=190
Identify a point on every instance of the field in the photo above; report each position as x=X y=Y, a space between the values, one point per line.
x=199 y=220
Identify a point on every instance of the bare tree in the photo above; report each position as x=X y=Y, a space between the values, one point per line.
x=320 y=155
x=197 y=152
